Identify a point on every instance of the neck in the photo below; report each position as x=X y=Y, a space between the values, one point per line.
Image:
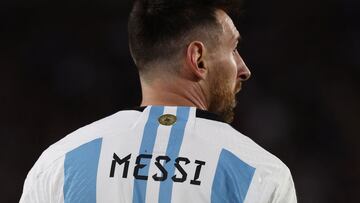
x=173 y=93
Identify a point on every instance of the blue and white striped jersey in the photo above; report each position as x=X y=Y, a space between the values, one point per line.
x=158 y=154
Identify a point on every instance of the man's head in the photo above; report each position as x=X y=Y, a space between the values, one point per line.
x=192 y=39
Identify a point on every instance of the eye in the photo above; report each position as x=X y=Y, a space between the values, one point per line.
x=235 y=50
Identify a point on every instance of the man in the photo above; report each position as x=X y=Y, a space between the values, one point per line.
x=177 y=147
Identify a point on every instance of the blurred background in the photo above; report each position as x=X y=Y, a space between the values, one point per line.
x=65 y=64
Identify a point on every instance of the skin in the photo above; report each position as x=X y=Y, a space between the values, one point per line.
x=209 y=78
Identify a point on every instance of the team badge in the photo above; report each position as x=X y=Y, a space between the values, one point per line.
x=167 y=119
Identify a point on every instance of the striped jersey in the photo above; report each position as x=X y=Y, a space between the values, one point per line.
x=158 y=154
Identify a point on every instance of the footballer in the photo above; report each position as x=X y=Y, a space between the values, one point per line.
x=177 y=146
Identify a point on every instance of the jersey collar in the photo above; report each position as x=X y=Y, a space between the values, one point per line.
x=199 y=113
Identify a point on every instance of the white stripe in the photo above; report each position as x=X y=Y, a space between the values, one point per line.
x=119 y=189
x=59 y=183
x=196 y=146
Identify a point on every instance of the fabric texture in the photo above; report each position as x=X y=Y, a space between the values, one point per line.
x=188 y=155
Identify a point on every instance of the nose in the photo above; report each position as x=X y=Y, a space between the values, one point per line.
x=243 y=71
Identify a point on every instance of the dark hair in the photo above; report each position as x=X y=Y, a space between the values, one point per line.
x=158 y=29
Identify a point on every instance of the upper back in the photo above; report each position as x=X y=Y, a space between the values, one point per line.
x=157 y=153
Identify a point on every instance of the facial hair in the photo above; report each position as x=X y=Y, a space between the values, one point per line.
x=223 y=99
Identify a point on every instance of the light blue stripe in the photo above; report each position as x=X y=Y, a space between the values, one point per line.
x=173 y=149
x=147 y=146
x=80 y=172
x=232 y=179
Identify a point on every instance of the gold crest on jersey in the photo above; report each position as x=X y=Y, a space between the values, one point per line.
x=167 y=119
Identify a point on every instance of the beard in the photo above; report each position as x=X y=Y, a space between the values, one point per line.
x=223 y=98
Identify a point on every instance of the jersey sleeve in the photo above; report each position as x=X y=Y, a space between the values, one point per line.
x=44 y=185
x=286 y=193
x=34 y=190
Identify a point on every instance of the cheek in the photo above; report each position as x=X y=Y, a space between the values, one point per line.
x=227 y=69
x=229 y=75
x=232 y=69
x=233 y=74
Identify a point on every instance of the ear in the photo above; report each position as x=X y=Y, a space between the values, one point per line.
x=195 y=54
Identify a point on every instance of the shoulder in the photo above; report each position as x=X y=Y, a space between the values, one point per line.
x=224 y=136
x=242 y=161
x=107 y=126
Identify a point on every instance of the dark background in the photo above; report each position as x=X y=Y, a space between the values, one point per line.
x=65 y=64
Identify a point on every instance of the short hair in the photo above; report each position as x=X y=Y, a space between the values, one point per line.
x=159 y=29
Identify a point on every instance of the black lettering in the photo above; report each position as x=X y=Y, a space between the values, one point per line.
x=197 y=173
x=140 y=166
x=161 y=168
x=180 y=169
x=115 y=160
